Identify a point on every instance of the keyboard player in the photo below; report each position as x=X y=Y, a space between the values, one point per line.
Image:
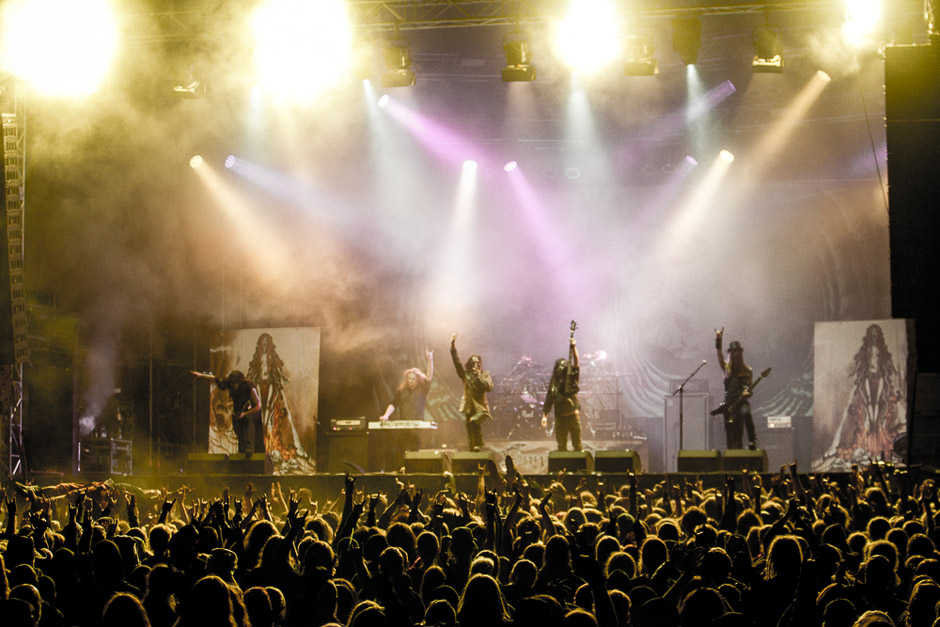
x=407 y=404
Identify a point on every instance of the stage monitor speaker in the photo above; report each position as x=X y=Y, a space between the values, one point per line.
x=348 y=451
x=468 y=462
x=744 y=459
x=617 y=462
x=572 y=461
x=247 y=463
x=221 y=464
x=426 y=462
x=205 y=463
x=699 y=461
x=695 y=420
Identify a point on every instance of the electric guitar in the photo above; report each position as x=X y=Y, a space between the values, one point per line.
x=574 y=327
x=726 y=407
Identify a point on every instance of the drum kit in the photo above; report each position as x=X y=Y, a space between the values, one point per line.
x=517 y=401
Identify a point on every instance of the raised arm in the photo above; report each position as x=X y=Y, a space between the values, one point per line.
x=430 y=358
x=453 y=355
x=719 y=333
x=575 y=360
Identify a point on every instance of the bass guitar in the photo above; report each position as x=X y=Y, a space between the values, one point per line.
x=726 y=407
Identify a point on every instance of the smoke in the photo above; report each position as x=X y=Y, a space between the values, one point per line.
x=132 y=240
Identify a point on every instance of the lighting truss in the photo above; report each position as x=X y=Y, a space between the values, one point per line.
x=425 y=14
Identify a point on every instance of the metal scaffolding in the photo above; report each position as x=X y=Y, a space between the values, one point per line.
x=12 y=460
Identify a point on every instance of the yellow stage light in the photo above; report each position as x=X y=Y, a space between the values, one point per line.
x=302 y=47
x=588 y=38
x=61 y=47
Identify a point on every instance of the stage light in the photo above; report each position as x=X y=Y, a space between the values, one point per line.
x=726 y=156
x=383 y=101
x=301 y=48
x=861 y=20
x=768 y=55
x=398 y=71
x=229 y=161
x=519 y=66
x=932 y=17
x=687 y=38
x=469 y=165
x=588 y=38
x=509 y=167
x=638 y=53
x=195 y=162
x=60 y=47
x=573 y=173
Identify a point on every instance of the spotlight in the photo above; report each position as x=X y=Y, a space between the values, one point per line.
x=767 y=50
x=726 y=156
x=518 y=59
x=687 y=38
x=398 y=71
x=229 y=161
x=469 y=165
x=383 y=100
x=512 y=165
x=638 y=50
x=195 y=162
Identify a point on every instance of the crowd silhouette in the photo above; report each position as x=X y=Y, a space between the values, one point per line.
x=786 y=549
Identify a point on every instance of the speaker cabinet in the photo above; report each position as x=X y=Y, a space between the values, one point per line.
x=426 y=462
x=695 y=421
x=572 y=461
x=744 y=459
x=468 y=462
x=779 y=446
x=348 y=451
x=617 y=462
x=699 y=461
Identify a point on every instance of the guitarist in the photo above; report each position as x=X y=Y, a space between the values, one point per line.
x=738 y=383
x=562 y=395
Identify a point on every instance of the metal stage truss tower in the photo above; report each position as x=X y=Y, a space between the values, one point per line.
x=12 y=460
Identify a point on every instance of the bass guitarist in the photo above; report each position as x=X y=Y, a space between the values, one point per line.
x=738 y=384
x=562 y=395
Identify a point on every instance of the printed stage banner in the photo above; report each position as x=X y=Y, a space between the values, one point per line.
x=284 y=365
x=860 y=397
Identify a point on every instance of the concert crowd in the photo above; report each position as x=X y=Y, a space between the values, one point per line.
x=786 y=549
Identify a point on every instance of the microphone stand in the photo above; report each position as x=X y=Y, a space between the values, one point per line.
x=680 y=391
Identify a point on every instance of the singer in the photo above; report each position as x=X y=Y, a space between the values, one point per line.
x=476 y=383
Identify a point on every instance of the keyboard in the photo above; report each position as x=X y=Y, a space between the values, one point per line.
x=402 y=424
